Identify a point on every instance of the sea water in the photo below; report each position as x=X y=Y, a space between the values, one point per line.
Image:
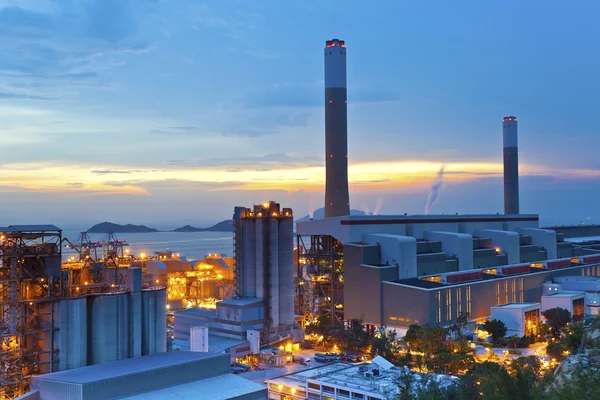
x=193 y=245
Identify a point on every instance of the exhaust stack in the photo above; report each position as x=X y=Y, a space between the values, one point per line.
x=337 y=199
x=511 y=165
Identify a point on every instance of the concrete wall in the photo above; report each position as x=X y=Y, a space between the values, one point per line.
x=363 y=286
x=576 y=231
x=418 y=230
x=396 y=250
x=508 y=242
x=484 y=258
x=405 y=305
x=408 y=304
x=459 y=245
x=545 y=238
x=435 y=263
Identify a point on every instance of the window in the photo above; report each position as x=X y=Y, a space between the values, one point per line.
x=521 y=289
x=315 y=386
x=438 y=317
x=514 y=290
x=459 y=309
x=343 y=393
x=358 y=396
x=468 y=300
x=497 y=293
x=506 y=291
x=328 y=389
x=449 y=305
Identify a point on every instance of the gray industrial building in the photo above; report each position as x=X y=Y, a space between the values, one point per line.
x=173 y=375
x=263 y=285
x=402 y=270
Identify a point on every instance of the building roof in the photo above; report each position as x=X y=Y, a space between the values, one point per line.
x=125 y=367
x=216 y=344
x=566 y=295
x=219 y=387
x=244 y=301
x=518 y=305
x=198 y=312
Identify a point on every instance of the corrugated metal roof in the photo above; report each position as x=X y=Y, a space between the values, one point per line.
x=220 y=387
x=129 y=366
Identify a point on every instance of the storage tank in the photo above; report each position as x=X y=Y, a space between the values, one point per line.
x=72 y=333
x=258 y=266
x=154 y=321
x=248 y=253
x=286 y=271
x=273 y=270
x=109 y=327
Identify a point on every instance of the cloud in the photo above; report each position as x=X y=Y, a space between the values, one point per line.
x=68 y=41
x=17 y=96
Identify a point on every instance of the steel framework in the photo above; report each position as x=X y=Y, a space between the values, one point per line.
x=320 y=279
x=30 y=280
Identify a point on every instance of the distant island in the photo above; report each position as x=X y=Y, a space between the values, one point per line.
x=106 y=227
x=223 y=226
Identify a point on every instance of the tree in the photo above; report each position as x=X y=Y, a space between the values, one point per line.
x=459 y=326
x=488 y=380
x=557 y=318
x=406 y=385
x=496 y=328
x=356 y=336
x=386 y=345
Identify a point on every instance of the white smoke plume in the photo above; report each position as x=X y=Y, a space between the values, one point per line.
x=434 y=193
x=378 y=205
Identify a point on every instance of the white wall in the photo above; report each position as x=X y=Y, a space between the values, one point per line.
x=565 y=302
x=513 y=318
x=396 y=250
x=544 y=238
x=418 y=230
x=458 y=244
x=508 y=242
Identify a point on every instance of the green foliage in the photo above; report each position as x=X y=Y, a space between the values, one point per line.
x=356 y=337
x=387 y=345
x=496 y=328
x=427 y=339
x=557 y=318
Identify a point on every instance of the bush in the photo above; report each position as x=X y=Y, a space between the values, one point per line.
x=526 y=341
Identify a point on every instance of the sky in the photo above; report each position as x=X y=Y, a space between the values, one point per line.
x=173 y=112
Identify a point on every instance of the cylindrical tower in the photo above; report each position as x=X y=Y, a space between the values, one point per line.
x=511 y=165
x=337 y=199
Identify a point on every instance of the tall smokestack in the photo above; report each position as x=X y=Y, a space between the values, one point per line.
x=511 y=165
x=337 y=199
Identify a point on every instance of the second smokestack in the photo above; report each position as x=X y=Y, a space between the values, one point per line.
x=511 y=165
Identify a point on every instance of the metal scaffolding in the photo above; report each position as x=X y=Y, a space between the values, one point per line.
x=320 y=279
x=30 y=280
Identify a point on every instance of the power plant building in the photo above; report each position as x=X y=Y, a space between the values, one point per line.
x=403 y=270
x=55 y=318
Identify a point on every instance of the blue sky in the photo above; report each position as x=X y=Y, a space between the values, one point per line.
x=163 y=112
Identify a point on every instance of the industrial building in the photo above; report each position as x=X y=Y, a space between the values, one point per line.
x=442 y=266
x=398 y=270
x=375 y=381
x=263 y=300
x=521 y=319
x=190 y=284
x=181 y=375
x=57 y=317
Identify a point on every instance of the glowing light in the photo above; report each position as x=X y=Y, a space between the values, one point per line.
x=143 y=255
